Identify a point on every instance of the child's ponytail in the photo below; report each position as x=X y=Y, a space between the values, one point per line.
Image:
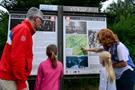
x=53 y=60
x=51 y=52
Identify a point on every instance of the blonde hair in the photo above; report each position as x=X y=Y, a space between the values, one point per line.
x=106 y=61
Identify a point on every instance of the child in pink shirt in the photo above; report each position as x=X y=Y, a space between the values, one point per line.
x=50 y=71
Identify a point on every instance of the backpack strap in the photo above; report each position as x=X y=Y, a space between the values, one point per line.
x=130 y=62
x=113 y=51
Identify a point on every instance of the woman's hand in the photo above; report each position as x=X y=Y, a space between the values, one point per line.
x=83 y=49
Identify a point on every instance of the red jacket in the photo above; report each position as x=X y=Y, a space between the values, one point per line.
x=16 y=60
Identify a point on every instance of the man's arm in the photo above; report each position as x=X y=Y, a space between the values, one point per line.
x=18 y=57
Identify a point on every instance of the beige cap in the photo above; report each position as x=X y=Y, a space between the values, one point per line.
x=33 y=11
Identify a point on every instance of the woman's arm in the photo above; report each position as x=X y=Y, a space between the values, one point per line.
x=122 y=53
x=120 y=64
x=93 y=49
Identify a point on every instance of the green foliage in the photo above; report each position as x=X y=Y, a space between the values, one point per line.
x=120 y=9
x=3 y=30
x=125 y=29
x=123 y=23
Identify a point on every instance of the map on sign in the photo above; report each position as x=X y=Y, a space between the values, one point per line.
x=76 y=42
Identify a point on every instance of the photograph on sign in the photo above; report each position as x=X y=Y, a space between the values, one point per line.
x=74 y=62
x=76 y=27
x=49 y=24
x=92 y=38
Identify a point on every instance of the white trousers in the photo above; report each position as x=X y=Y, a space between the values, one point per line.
x=9 y=85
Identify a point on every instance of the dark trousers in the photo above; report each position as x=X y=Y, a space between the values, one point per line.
x=126 y=82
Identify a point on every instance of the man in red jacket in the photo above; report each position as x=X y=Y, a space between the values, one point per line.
x=16 y=60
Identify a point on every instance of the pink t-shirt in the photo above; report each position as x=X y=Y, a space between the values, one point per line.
x=47 y=77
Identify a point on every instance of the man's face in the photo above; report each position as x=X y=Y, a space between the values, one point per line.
x=38 y=23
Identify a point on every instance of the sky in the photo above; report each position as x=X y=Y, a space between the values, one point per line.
x=107 y=3
x=2 y=8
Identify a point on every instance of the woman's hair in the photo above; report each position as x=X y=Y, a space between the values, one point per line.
x=106 y=37
x=51 y=52
x=105 y=59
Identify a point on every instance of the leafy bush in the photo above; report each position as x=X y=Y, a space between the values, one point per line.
x=3 y=29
